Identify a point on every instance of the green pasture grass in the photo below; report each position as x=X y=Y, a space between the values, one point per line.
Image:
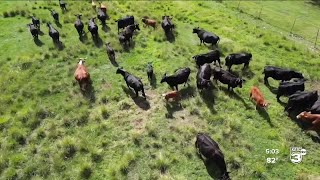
x=50 y=130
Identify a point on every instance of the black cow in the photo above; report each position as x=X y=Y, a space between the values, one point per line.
x=208 y=58
x=79 y=25
x=167 y=24
x=210 y=151
x=181 y=76
x=93 y=28
x=63 y=5
x=149 y=71
x=53 y=33
x=238 y=58
x=55 y=15
x=36 y=22
x=206 y=37
x=288 y=88
x=203 y=76
x=301 y=101
x=124 y=22
x=102 y=16
x=279 y=74
x=127 y=34
x=315 y=108
x=226 y=77
x=110 y=52
x=34 y=31
x=132 y=81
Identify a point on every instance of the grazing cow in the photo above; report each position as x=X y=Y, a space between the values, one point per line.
x=149 y=22
x=280 y=74
x=150 y=71
x=210 y=151
x=203 y=76
x=206 y=37
x=313 y=119
x=208 y=58
x=226 y=77
x=301 y=100
x=288 y=88
x=82 y=75
x=257 y=96
x=110 y=52
x=79 y=25
x=63 y=5
x=124 y=22
x=127 y=34
x=34 y=31
x=132 y=81
x=315 y=108
x=53 y=33
x=171 y=95
x=103 y=7
x=36 y=22
x=55 y=15
x=167 y=24
x=181 y=76
x=93 y=28
x=238 y=58
x=102 y=16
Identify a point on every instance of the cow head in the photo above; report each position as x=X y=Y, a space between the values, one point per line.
x=119 y=70
x=195 y=30
x=298 y=75
x=48 y=24
x=164 y=78
x=239 y=82
x=136 y=26
x=81 y=61
x=303 y=115
x=107 y=43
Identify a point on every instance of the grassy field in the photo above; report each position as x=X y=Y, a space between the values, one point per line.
x=50 y=130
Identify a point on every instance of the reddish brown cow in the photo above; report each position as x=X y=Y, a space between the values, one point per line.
x=150 y=22
x=171 y=95
x=314 y=119
x=257 y=96
x=82 y=75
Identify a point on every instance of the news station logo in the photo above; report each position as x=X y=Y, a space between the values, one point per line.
x=296 y=154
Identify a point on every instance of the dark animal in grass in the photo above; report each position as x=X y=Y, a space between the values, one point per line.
x=210 y=151
x=82 y=75
x=181 y=76
x=124 y=22
x=150 y=71
x=53 y=33
x=149 y=22
x=228 y=78
x=203 y=76
x=280 y=74
x=79 y=25
x=110 y=52
x=55 y=15
x=63 y=5
x=93 y=28
x=315 y=108
x=126 y=35
x=132 y=81
x=167 y=24
x=238 y=58
x=206 y=37
x=102 y=16
x=288 y=88
x=208 y=58
x=33 y=30
x=36 y=22
x=301 y=101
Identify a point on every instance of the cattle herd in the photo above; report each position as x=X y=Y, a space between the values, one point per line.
x=305 y=104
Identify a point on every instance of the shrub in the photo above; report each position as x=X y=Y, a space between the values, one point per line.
x=86 y=171
x=105 y=113
x=68 y=148
x=6 y=14
x=12 y=13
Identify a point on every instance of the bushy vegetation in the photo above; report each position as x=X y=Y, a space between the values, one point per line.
x=50 y=130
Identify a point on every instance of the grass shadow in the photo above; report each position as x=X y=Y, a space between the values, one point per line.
x=170 y=36
x=38 y=42
x=208 y=97
x=139 y=101
x=234 y=95
x=172 y=107
x=89 y=92
x=264 y=114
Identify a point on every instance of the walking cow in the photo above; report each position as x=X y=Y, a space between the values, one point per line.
x=206 y=37
x=181 y=76
x=238 y=58
x=124 y=22
x=79 y=25
x=280 y=74
x=132 y=81
x=208 y=58
x=33 y=30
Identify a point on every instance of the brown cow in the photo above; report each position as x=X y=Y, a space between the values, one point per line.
x=171 y=95
x=82 y=75
x=314 y=119
x=149 y=22
x=257 y=96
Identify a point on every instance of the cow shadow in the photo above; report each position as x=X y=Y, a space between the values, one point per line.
x=170 y=36
x=187 y=92
x=172 y=107
x=127 y=47
x=208 y=97
x=153 y=82
x=234 y=95
x=89 y=92
x=58 y=24
x=38 y=42
x=105 y=27
x=247 y=72
x=40 y=33
x=212 y=169
x=139 y=101
x=59 y=45
x=97 y=41
x=113 y=62
x=212 y=47
x=272 y=89
x=83 y=38
x=265 y=115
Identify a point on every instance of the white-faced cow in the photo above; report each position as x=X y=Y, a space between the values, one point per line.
x=82 y=75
